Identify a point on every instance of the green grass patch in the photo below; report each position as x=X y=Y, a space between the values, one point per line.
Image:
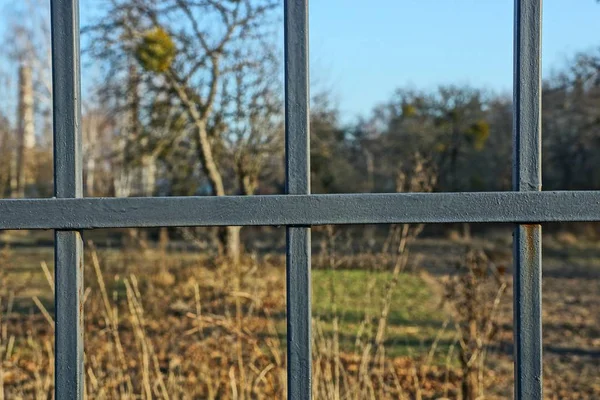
x=355 y=296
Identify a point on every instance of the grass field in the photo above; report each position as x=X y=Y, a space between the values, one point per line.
x=191 y=327
x=350 y=295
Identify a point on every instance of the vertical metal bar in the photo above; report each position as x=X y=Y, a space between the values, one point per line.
x=297 y=138
x=527 y=176
x=68 y=254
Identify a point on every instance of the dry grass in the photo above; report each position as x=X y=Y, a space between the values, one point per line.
x=180 y=326
x=162 y=328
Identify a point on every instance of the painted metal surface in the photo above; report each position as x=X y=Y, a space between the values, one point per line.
x=527 y=177
x=301 y=210
x=297 y=160
x=68 y=253
x=298 y=210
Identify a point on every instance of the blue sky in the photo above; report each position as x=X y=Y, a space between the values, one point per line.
x=363 y=50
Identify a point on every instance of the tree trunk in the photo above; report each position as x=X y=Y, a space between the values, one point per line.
x=163 y=239
x=148 y=176
x=470 y=384
x=229 y=237
x=370 y=167
x=230 y=243
x=90 y=129
x=5 y=158
x=466 y=230
x=248 y=184
x=138 y=237
x=90 y=175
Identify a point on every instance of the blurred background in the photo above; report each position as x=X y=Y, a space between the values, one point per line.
x=185 y=98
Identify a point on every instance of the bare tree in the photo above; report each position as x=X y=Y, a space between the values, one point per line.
x=215 y=61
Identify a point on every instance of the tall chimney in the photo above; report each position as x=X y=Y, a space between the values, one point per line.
x=25 y=130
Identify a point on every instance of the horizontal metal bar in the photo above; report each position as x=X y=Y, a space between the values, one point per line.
x=300 y=210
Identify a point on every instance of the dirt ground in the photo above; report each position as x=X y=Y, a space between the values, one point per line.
x=571 y=313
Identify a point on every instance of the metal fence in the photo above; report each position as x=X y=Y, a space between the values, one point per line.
x=68 y=213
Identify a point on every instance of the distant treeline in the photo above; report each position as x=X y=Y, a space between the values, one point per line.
x=191 y=103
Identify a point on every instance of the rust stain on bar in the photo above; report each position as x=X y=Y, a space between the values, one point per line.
x=530 y=242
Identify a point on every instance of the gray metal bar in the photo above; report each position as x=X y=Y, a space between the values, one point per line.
x=527 y=177
x=67 y=183
x=300 y=210
x=297 y=151
x=68 y=259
